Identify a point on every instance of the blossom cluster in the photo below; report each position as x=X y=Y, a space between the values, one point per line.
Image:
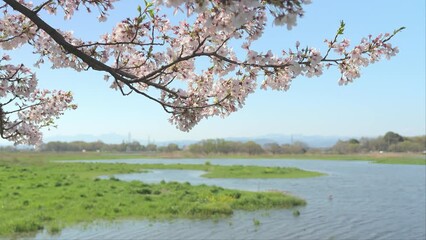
x=15 y=30
x=148 y=52
x=69 y=7
x=370 y=50
x=24 y=109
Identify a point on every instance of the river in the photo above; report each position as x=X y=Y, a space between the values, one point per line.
x=356 y=200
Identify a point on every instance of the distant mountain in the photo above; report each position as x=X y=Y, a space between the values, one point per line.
x=106 y=138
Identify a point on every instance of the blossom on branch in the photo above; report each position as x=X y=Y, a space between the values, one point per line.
x=148 y=51
x=24 y=109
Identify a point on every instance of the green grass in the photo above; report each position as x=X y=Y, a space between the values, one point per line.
x=38 y=194
x=238 y=171
x=50 y=156
x=394 y=158
x=385 y=158
x=414 y=161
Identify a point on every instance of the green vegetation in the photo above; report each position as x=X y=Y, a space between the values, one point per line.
x=38 y=194
x=410 y=161
x=382 y=158
x=238 y=171
x=51 y=156
x=391 y=148
x=296 y=213
x=390 y=142
x=256 y=222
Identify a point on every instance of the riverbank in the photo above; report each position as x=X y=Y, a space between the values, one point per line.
x=37 y=194
x=382 y=158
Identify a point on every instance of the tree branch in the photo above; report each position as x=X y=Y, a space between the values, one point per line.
x=90 y=61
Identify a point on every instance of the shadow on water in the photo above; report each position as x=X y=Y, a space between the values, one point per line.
x=356 y=200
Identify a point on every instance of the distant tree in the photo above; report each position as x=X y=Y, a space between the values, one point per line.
x=407 y=146
x=252 y=148
x=172 y=147
x=134 y=146
x=346 y=147
x=392 y=138
x=273 y=148
x=225 y=147
x=151 y=147
x=353 y=141
x=410 y=144
x=379 y=144
x=222 y=146
x=195 y=148
x=7 y=149
x=210 y=145
x=295 y=148
x=97 y=146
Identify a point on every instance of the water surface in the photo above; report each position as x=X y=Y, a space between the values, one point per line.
x=356 y=200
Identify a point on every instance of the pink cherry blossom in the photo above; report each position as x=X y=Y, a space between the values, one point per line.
x=147 y=51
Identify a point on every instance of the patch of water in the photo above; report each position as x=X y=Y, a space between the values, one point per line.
x=356 y=200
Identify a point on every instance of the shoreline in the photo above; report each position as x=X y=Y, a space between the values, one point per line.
x=378 y=158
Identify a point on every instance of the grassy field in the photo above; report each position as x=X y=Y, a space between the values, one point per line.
x=36 y=194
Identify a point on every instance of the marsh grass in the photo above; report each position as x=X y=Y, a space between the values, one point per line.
x=239 y=171
x=38 y=194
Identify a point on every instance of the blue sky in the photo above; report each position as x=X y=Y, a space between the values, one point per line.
x=390 y=95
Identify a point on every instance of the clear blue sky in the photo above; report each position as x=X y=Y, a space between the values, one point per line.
x=390 y=95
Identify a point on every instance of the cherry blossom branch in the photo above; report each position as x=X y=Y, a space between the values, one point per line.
x=59 y=39
x=148 y=51
x=24 y=109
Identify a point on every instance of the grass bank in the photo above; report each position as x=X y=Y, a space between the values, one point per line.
x=380 y=158
x=238 y=171
x=38 y=194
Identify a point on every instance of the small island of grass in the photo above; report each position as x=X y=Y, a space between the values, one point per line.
x=239 y=171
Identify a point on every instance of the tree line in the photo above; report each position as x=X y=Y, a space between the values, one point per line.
x=134 y=146
x=390 y=142
x=204 y=147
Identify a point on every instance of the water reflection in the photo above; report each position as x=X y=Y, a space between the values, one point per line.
x=356 y=200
